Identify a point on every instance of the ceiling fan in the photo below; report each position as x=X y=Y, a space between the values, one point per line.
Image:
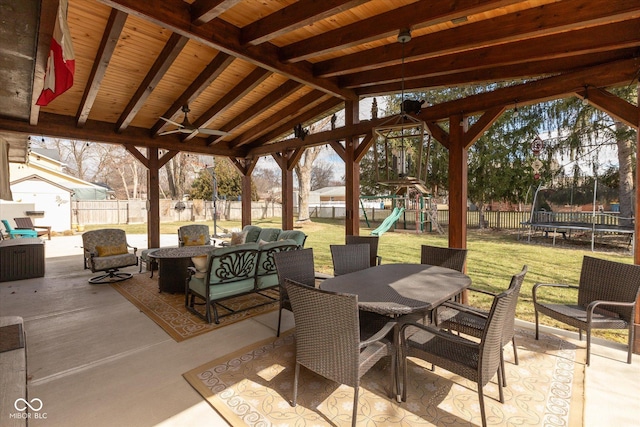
x=187 y=128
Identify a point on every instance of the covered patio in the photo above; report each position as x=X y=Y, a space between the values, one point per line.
x=252 y=71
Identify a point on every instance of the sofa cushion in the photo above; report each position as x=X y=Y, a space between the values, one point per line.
x=269 y=234
x=253 y=231
x=200 y=263
x=296 y=235
x=238 y=238
x=224 y=290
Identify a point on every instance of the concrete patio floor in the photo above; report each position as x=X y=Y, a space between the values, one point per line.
x=95 y=359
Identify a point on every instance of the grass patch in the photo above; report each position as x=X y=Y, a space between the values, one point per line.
x=492 y=259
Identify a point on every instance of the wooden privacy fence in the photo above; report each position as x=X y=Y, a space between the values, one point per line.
x=135 y=211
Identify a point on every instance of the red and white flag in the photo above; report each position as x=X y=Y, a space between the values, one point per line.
x=61 y=64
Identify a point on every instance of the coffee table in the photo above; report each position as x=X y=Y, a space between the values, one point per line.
x=173 y=264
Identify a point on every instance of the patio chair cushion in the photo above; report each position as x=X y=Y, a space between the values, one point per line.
x=194 y=240
x=109 y=250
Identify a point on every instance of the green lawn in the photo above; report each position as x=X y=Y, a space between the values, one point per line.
x=492 y=259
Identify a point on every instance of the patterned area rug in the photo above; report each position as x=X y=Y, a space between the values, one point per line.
x=253 y=387
x=169 y=312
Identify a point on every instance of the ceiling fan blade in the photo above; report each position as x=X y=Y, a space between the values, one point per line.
x=213 y=132
x=185 y=130
x=172 y=122
x=169 y=132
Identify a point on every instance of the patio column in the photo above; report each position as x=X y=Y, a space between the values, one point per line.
x=287 y=199
x=458 y=156
x=246 y=199
x=153 y=199
x=352 y=172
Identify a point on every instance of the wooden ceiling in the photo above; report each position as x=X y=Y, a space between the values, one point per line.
x=256 y=68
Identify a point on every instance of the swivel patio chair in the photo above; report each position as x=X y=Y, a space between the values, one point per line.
x=607 y=297
x=13 y=233
x=26 y=224
x=349 y=258
x=107 y=250
x=372 y=241
x=475 y=361
x=194 y=235
x=330 y=341
x=472 y=321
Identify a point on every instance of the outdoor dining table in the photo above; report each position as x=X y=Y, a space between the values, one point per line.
x=396 y=290
x=173 y=265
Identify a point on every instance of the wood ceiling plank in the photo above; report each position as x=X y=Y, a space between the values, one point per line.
x=535 y=22
x=275 y=96
x=416 y=15
x=297 y=15
x=245 y=86
x=175 y=16
x=170 y=52
x=110 y=37
x=203 y=11
x=272 y=121
x=525 y=70
x=595 y=39
x=211 y=72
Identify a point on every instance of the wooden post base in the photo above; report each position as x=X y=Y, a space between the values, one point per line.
x=636 y=338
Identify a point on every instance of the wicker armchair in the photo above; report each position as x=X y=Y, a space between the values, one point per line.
x=475 y=361
x=107 y=250
x=444 y=257
x=607 y=297
x=372 y=241
x=194 y=235
x=330 y=342
x=473 y=321
x=349 y=258
x=295 y=265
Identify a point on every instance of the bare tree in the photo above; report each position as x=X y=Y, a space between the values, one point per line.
x=303 y=172
x=321 y=175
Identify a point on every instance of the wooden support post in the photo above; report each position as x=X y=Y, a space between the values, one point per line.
x=352 y=173
x=246 y=199
x=287 y=199
x=458 y=155
x=153 y=199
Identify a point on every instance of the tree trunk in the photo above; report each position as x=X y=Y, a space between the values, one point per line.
x=303 y=171
x=625 y=173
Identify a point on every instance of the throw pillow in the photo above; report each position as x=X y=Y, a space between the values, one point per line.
x=194 y=241
x=262 y=242
x=112 y=250
x=238 y=238
x=200 y=263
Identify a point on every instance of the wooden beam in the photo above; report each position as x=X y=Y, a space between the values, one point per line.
x=169 y=53
x=352 y=172
x=535 y=22
x=480 y=126
x=611 y=104
x=153 y=208
x=416 y=15
x=135 y=152
x=220 y=35
x=58 y=126
x=458 y=170
x=211 y=72
x=339 y=149
x=602 y=38
x=439 y=134
x=295 y=16
x=526 y=70
x=636 y=255
x=274 y=120
x=363 y=147
x=257 y=76
x=110 y=37
x=275 y=96
x=536 y=91
x=203 y=11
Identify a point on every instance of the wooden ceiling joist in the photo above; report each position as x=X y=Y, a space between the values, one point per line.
x=203 y=11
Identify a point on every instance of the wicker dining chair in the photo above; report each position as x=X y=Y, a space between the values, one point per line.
x=475 y=361
x=330 y=342
x=349 y=258
x=452 y=258
x=472 y=321
x=607 y=296
x=372 y=241
x=296 y=265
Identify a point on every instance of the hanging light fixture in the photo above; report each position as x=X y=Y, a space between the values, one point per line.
x=404 y=36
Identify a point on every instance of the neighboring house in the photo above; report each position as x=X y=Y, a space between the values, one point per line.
x=47 y=191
